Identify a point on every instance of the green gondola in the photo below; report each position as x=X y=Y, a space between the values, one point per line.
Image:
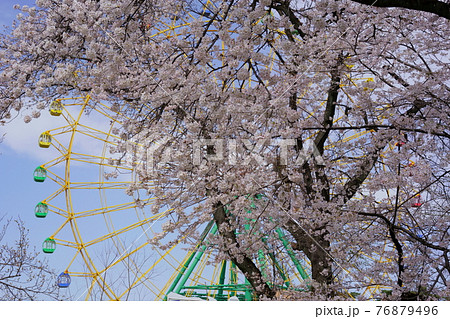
x=40 y=174
x=41 y=210
x=49 y=245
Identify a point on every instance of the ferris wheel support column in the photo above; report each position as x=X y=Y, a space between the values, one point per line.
x=222 y=277
x=188 y=261
x=198 y=256
x=291 y=254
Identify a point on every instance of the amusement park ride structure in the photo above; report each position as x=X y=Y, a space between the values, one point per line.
x=96 y=215
x=190 y=276
x=96 y=218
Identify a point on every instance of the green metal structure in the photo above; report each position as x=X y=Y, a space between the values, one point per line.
x=229 y=282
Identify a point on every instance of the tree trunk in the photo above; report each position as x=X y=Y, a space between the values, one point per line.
x=316 y=248
x=239 y=257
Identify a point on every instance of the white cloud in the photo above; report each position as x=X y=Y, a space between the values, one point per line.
x=22 y=138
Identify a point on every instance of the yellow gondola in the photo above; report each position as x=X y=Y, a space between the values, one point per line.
x=45 y=140
x=56 y=107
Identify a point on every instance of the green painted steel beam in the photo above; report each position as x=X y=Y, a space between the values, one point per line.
x=291 y=254
x=195 y=261
x=188 y=261
x=233 y=275
x=237 y=287
x=280 y=269
x=223 y=271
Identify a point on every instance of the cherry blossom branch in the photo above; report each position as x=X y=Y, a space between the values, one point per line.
x=283 y=7
x=439 y=8
x=406 y=231
x=330 y=108
x=376 y=127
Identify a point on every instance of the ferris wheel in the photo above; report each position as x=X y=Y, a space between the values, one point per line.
x=105 y=236
x=95 y=215
x=105 y=230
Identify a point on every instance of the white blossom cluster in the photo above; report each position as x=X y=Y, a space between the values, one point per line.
x=368 y=87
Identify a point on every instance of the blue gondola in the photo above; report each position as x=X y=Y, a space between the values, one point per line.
x=64 y=280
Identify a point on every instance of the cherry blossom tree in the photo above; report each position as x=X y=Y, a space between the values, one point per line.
x=336 y=112
x=23 y=275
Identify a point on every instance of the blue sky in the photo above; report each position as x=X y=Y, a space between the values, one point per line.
x=19 y=153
